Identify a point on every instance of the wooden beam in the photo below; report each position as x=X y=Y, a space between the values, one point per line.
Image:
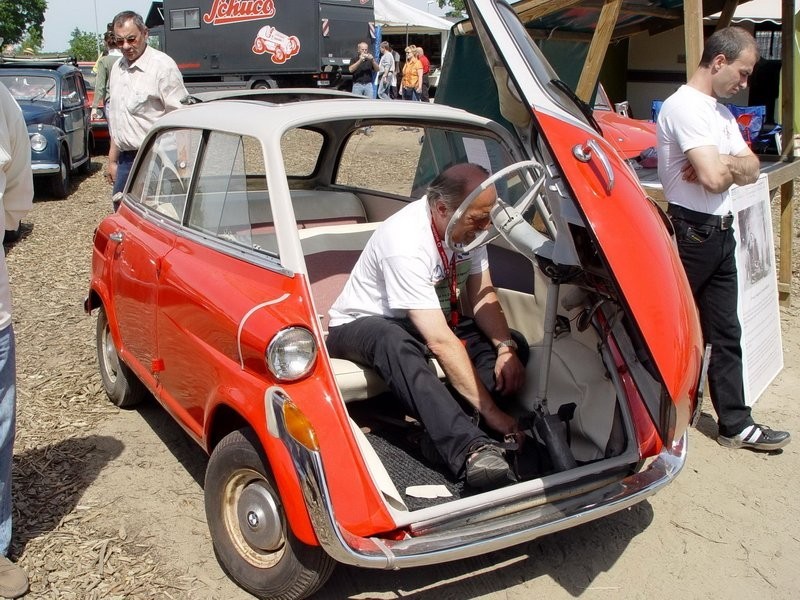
x=726 y=15
x=638 y=9
x=693 y=33
x=788 y=151
x=528 y=10
x=597 y=49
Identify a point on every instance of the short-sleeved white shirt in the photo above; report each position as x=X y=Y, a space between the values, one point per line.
x=400 y=269
x=691 y=119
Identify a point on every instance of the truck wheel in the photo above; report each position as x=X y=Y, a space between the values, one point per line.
x=122 y=386
x=265 y=84
x=59 y=182
x=252 y=540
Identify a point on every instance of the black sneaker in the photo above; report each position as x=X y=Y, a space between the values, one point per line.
x=487 y=468
x=756 y=437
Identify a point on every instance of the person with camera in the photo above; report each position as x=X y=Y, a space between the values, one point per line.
x=363 y=68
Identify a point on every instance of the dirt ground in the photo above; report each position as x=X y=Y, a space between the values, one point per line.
x=109 y=503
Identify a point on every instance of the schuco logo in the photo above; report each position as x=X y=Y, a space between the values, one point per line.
x=235 y=11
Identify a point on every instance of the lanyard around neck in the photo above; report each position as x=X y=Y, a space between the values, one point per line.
x=450 y=273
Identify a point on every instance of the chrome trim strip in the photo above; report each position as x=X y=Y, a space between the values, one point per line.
x=466 y=540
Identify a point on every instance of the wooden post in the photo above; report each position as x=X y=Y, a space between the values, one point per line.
x=693 y=33
x=726 y=15
x=787 y=152
x=597 y=49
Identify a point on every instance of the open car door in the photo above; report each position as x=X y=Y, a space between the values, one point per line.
x=626 y=231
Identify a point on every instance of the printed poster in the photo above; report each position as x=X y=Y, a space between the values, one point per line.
x=759 y=314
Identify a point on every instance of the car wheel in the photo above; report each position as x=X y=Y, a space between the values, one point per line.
x=122 y=386
x=59 y=182
x=252 y=540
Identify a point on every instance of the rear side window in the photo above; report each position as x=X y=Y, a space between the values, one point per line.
x=160 y=182
x=300 y=149
x=231 y=199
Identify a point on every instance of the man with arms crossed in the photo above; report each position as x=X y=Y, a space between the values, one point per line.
x=701 y=153
x=399 y=306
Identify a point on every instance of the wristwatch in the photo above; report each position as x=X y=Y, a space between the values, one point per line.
x=509 y=343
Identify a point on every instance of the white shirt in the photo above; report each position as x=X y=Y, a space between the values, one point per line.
x=141 y=93
x=16 y=184
x=690 y=119
x=400 y=269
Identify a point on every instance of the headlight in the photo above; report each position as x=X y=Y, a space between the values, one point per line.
x=38 y=142
x=291 y=353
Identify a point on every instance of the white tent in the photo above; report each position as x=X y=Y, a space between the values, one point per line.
x=756 y=11
x=399 y=18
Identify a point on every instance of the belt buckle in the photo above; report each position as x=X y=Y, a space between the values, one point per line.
x=726 y=221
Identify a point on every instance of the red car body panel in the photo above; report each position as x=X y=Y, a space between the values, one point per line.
x=653 y=304
x=629 y=136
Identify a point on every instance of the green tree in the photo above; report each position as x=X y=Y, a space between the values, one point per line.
x=31 y=43
x=21 y=17
x=457 y=8
x=83 y=45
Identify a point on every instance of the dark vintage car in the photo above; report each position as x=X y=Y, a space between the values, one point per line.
x=52 y=95
x=100 y=124
x=238 y=227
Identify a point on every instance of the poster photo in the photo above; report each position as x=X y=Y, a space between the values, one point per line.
x=759 y=314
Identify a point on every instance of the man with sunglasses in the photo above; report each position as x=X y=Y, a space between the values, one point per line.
x=145 y=84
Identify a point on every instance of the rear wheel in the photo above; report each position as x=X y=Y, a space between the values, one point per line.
x=59 y=182
x=252 y=540
x=122 y=387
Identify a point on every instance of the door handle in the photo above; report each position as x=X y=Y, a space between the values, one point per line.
x=117 y=237
x=588 y=151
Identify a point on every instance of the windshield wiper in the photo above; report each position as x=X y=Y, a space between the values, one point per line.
x=43 y=93
x=585 y=109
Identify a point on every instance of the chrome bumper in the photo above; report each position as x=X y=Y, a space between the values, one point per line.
x=45 y=168
x=463 y=541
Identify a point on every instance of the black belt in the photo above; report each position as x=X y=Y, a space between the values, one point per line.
x=697 y=218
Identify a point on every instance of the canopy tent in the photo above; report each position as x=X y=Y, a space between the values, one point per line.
x=755 y=11
x=395 y=17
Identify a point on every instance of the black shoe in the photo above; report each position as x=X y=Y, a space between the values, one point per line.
x=487 y=468
x=756 y=437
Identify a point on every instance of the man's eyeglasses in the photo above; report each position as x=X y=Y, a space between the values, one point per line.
x=131 y=39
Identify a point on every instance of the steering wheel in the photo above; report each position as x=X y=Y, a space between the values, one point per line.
x=520 y=206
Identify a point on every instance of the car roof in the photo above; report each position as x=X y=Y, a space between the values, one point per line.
x=61 y=64
x=264 y=119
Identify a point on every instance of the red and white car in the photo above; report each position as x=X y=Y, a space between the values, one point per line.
x=239 y=225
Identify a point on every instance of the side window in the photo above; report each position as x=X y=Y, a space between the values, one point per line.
x=300 y=149
x=384 y=161
x=231 y=200
x=69 y=93
x=161 y=183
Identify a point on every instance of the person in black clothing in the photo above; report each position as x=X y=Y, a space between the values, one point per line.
x=363 y=68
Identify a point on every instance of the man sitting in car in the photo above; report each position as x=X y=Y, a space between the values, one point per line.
x=400 y=305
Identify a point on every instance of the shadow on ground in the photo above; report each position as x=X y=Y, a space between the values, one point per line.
x=572 y=559
x=49 y=480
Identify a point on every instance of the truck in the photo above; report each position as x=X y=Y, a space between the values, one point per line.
x=262 y=43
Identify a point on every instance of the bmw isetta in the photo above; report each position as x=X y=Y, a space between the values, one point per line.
x=242 y=218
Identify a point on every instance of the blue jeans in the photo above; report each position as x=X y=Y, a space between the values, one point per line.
x=363 y=89
x=124 y=164
x=8 y=415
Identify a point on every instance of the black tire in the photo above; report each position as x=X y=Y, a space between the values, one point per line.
x=60 y=182
x=264 y=558
x=122 y=387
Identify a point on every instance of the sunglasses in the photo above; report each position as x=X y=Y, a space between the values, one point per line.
x=131 y=39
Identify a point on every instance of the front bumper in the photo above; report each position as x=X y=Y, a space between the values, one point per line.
x=515 y=522
x=45 y=168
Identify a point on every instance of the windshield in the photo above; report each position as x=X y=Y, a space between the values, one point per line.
x=542 y=70
x=30 y=88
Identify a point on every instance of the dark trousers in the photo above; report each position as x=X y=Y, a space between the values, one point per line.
x=395 y=350
x=708 y=256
